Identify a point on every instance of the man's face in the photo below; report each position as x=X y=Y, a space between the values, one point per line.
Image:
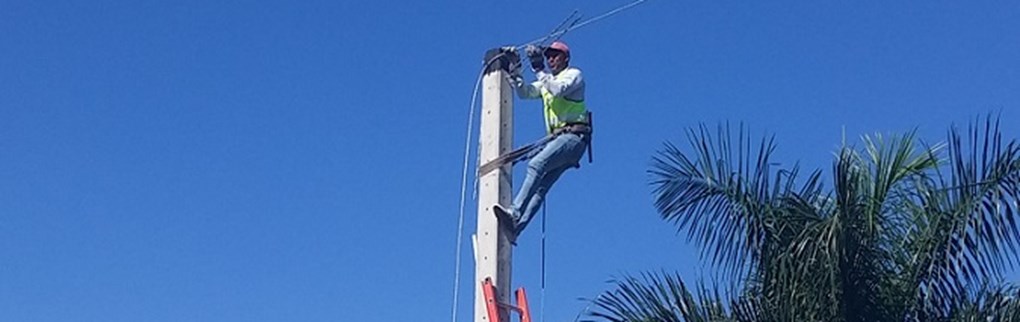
x=557 y=60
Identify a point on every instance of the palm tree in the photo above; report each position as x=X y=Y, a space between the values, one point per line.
x=907 y=232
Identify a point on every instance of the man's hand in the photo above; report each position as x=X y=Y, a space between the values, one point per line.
x=535 y=56
x=532 y=51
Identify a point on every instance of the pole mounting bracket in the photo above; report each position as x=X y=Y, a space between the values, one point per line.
x=503 y=58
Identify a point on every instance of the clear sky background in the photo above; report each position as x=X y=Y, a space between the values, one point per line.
x=301 y=160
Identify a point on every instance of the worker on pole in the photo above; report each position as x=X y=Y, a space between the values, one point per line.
x=566 y=120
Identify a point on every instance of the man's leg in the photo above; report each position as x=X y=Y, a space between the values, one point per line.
x=543 y=170
x=535 y=203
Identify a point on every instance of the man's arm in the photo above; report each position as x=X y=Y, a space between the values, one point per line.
x=528 y=90
x=566 y=82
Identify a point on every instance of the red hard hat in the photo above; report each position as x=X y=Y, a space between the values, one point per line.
x=561 y=46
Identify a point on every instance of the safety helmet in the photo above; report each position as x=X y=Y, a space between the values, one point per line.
x=559 y=46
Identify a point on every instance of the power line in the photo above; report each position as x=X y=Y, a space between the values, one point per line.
x=583 y=23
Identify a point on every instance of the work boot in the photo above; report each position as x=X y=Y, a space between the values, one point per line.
x=507 y=222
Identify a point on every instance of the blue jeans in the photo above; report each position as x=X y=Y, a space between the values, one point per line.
x=544 y=167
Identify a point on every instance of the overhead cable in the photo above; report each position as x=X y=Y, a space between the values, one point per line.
x=583 y=23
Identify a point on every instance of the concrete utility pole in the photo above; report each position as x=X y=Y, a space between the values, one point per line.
x=493 y=252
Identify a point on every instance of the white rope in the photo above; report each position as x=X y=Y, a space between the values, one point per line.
x=463 y=191
x=463 y=182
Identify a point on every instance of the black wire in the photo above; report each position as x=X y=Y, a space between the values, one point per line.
x=542 y=314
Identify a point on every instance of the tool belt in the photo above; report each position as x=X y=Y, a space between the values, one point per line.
x=575 y=128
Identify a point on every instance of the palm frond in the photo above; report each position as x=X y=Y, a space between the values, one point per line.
x=665 y=297
x=871 y=195
x=908 y=232
x=999 y=303
x=721 y=200
x=969 y=232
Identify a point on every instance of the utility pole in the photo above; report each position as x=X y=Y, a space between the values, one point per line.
x=493 y=252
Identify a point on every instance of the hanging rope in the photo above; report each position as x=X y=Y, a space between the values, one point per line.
x=541 y=314
x=463 y=184
x=463 y=192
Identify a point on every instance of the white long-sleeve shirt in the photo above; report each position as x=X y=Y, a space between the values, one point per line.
x=567 y=84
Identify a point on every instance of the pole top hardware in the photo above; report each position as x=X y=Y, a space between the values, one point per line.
x=502 y=58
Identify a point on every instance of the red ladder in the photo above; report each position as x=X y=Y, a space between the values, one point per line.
x=493 y=305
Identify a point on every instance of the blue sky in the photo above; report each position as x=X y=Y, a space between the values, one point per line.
x=300 y=161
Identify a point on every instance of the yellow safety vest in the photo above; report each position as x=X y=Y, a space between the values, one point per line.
x=560 y=111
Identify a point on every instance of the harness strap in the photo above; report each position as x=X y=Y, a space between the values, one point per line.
x=591 y=127
x=517 y=155
x=514 y=156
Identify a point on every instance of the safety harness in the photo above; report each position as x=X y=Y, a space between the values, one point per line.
x=525 y=152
